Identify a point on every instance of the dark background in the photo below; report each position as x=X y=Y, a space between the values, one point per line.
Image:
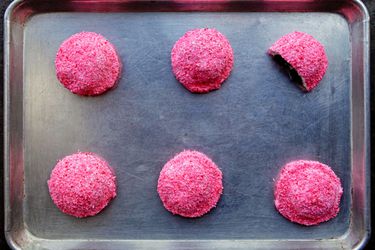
x=371 y=8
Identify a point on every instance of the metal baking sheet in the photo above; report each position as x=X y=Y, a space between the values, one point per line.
x=251 y=127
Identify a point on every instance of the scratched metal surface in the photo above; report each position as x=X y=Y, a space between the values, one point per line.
x=251 y=127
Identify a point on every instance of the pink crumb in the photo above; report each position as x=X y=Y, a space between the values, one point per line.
x=82 y=184
x=304 y=54
x=190 y=184
x=87 y=64
x=202 y=59
x=307 y=192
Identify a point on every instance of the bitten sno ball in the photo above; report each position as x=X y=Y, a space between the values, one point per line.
x=82 y=184
x=307 y=192
x=87 y=64
x=303 y=56
x=202 y=59
x=190 y=184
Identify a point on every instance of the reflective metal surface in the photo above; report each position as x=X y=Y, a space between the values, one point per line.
x=251 y=127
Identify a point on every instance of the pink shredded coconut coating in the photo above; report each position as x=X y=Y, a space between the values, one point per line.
x=190 y=184
x=202 y=59
x=82 y=184
x=305 y=54
x=87 y=64
x=308 y=192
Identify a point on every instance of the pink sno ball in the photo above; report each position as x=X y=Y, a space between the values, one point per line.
x=190 y=184
x=307 y=192
x=202 y=59
x=303 y=54
x=82 y=184
x=87 y=64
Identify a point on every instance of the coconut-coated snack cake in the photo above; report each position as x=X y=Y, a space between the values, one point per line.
x=307 y=192
x=82 y=184
x=190 y=184
x=304 y=57
x=87 y=64
x=202 y=59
